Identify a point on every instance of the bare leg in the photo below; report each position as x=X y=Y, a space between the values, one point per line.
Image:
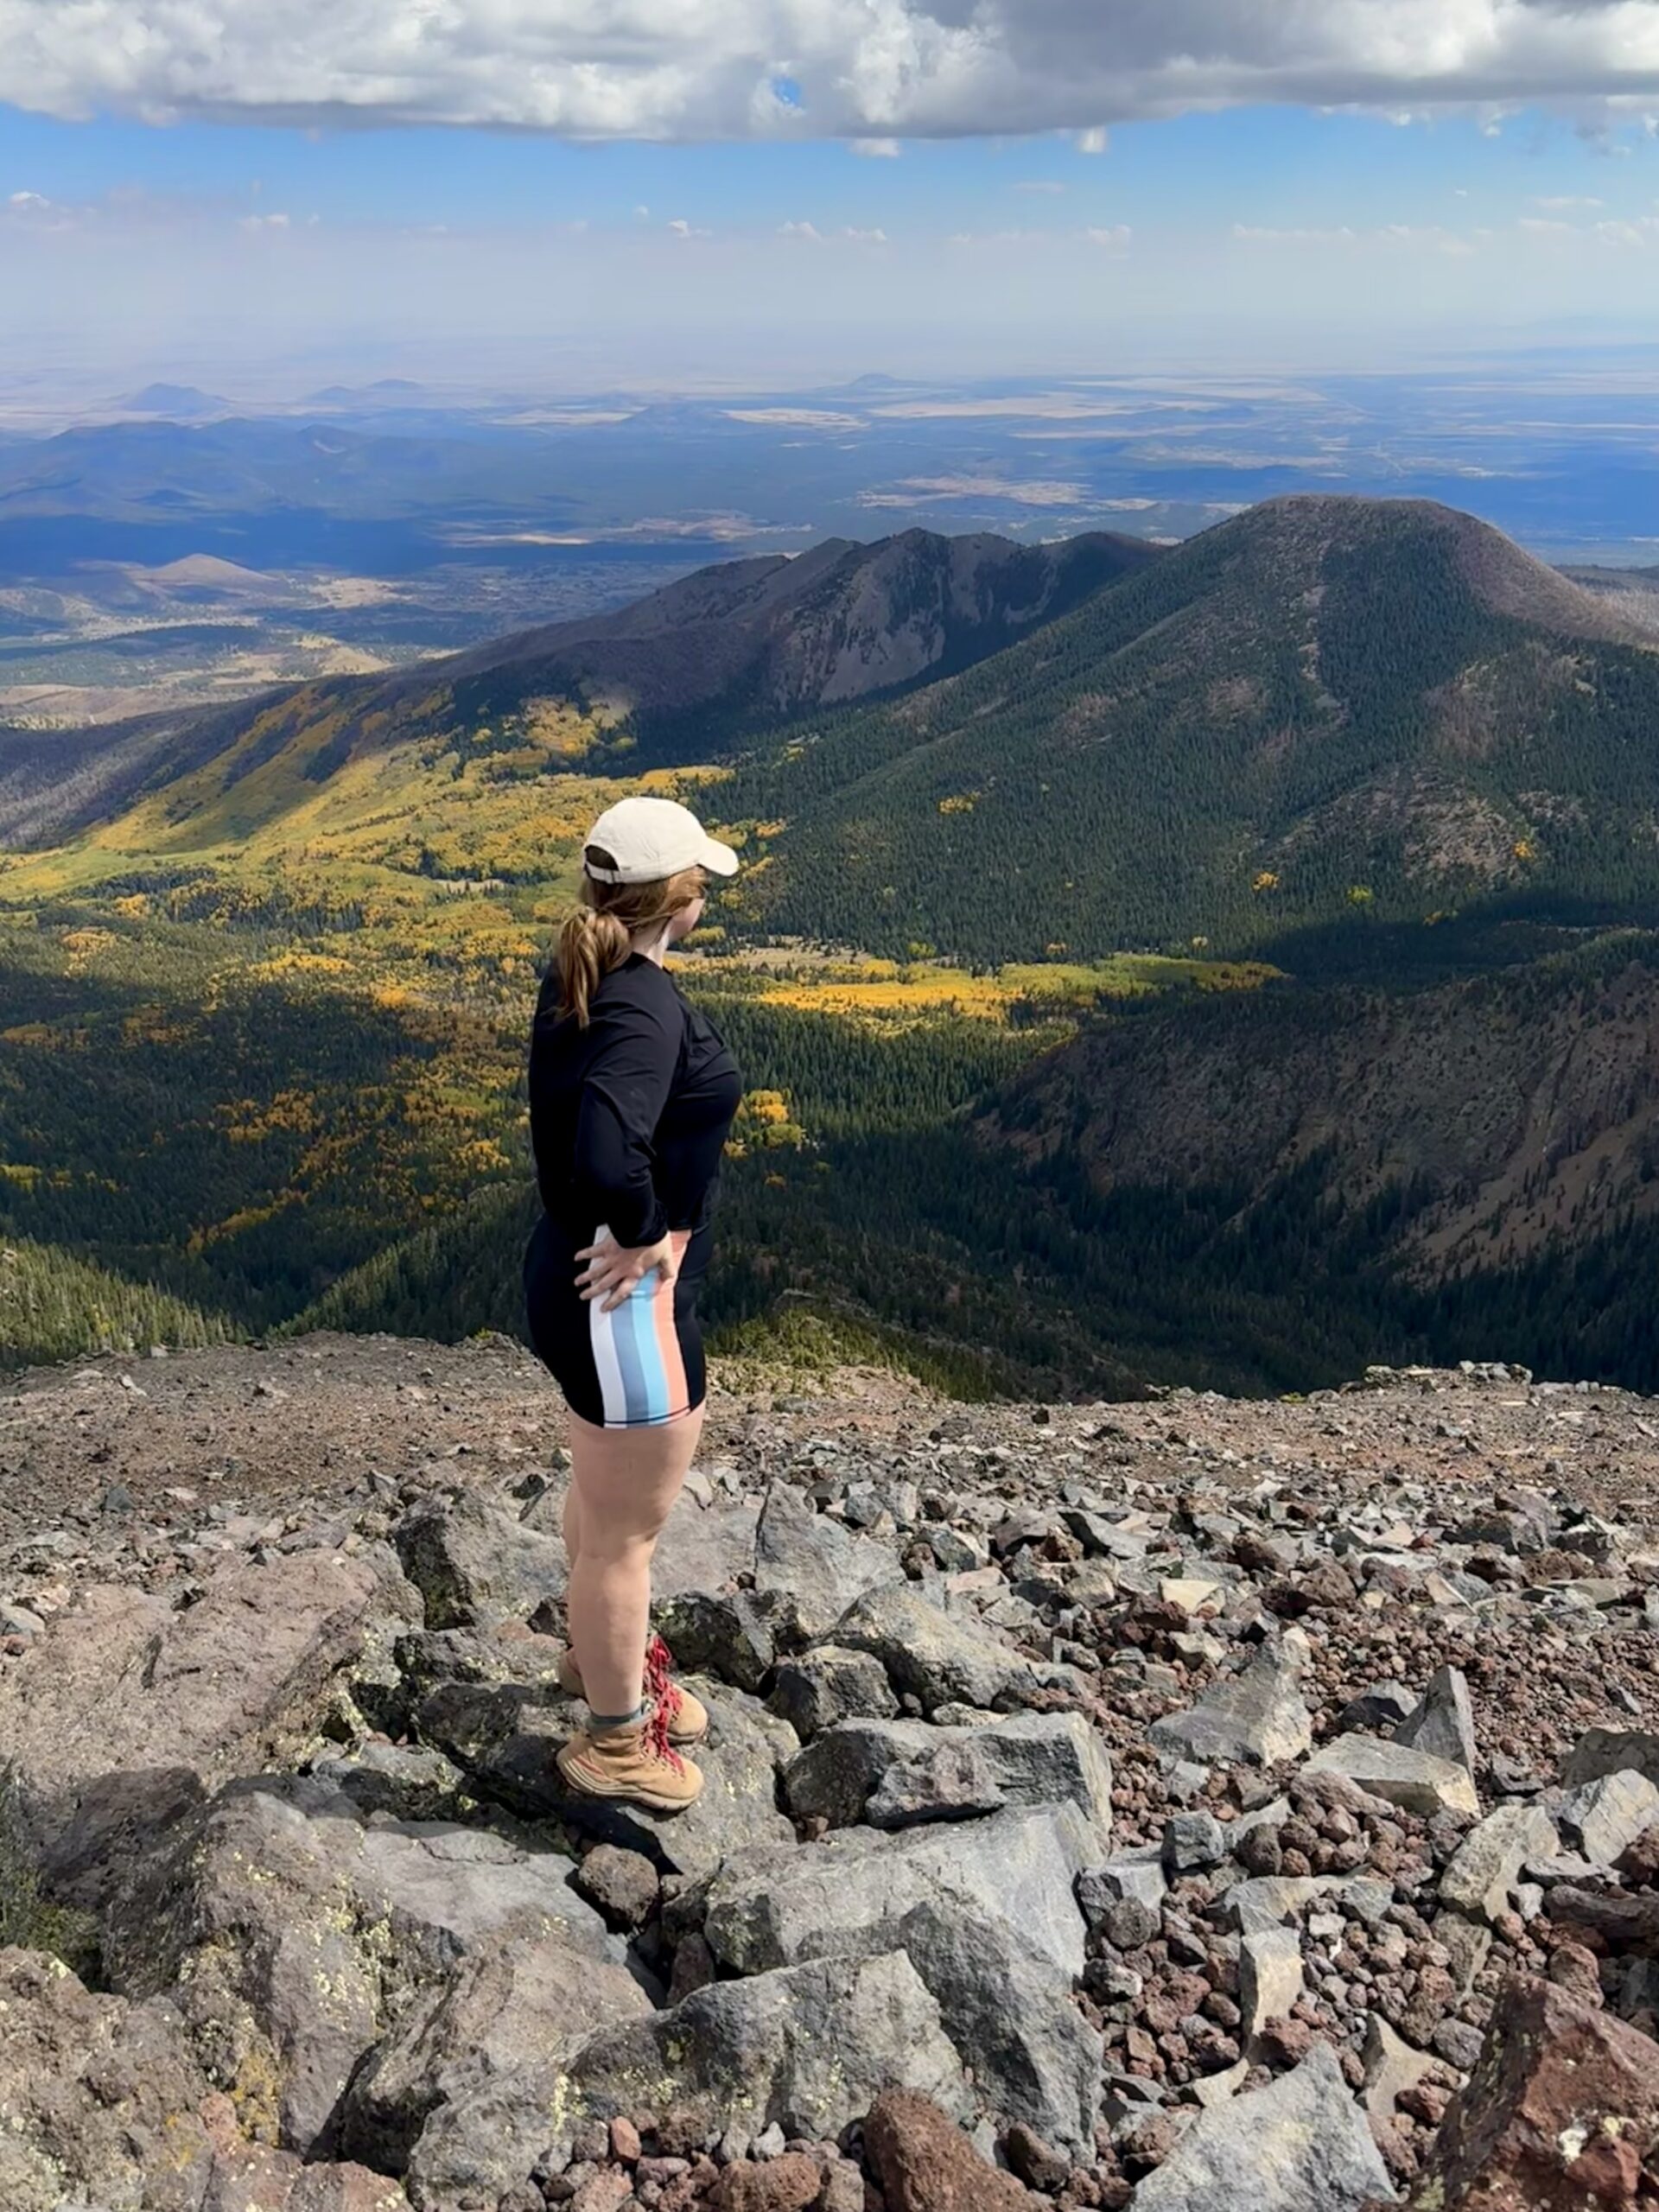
x=626 y=1481
x=572 y=1520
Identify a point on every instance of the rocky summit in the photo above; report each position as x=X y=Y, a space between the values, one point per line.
x=1191 y=1804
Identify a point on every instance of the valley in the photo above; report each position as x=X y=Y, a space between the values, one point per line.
x=1276 y=913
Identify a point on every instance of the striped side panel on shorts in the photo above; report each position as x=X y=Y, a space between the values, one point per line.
x=637 y=1353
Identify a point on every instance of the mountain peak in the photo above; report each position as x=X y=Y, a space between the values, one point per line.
x=1307 y=529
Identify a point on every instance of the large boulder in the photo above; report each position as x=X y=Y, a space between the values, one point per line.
x=1487 y=1863
x=126 y=1710
x=475 y=1562
x=985 y=1911
x=893 y=1774
x=925 y=2163
x=1603 y=1818
x=931 y=1655
x=821 y=1687
x=99 y=2099
x=457 y=2097
x=703 y=1547
x=1301 y=2144
x=813 y=1562
x=1416 y=1781
x=738 y=1810
x=807 y=2049
x=1560 y=2113
x=1443 y=1721
x=1612 y=1750
x=1258 y=1718
x=296 y=1935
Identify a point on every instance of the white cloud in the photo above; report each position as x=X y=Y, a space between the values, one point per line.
x=680 y=228
x=872 y=71
x=1114 y=239
x=1433 y=236
x=878 y=149
x=1564 y=200
x=1094 y=141
x=810 y=234
x=277 y=222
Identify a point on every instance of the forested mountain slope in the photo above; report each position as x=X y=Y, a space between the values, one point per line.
x=1322 y=704
x=669 y=679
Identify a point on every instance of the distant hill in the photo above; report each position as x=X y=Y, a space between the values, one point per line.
x=1322 y=707
x=683 y=673
x=184 y=402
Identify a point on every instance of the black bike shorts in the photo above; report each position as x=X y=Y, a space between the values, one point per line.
x=638 y=1365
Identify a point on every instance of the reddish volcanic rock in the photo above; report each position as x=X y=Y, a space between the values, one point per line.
x=1561 y=2114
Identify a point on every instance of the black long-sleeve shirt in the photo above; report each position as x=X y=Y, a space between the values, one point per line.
x=629 y=1117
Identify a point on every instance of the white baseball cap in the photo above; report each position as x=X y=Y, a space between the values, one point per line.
x=650 y=838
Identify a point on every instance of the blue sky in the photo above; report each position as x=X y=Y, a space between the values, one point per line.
x=260 y=206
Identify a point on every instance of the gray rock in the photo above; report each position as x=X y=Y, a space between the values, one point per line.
x=1603 y=1818
x=955 y=1551
x=986 y=1912
x=1301 y=2145
x=1385 y=1705
x=703 y=1547
x=893 y=1774
x=100 y=2097
x=123 y=1709
x=814 y=1561
x=1138 y=1874
x=1488 y=1862
x=1443 y=1722
x=460 y=2093
x=738 y=1810
x=1257 y=1717
x=1467 y=1941
x=292 y=1935
x=1392 y=2067
x=1269 y=1900
x=840 y=1896
x=933 y=1655
x=1610 y=1750
x=401 y=1780
x=807 y=2049
x=475 y=1562
x=821 y=1687
x=729 y=1637
x=1192 y=1840
x=1414 y=1780
x=1269 y=1977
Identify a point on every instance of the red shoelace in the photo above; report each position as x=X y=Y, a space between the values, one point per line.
x=666 y=1703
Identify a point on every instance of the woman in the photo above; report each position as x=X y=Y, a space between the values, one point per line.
x=632 y=1096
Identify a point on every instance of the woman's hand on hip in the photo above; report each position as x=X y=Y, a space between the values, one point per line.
x=615 y=1271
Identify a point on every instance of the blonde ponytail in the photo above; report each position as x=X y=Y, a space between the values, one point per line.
x=600 y=934
x=590 y=946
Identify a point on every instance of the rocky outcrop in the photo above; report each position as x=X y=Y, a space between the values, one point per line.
x=129 y=1705
x=1562 y=2112
x=296 y=1936
x=1109 y=1808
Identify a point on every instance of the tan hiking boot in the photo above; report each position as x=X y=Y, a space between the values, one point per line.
x=687 y=1716
x=633 y=1763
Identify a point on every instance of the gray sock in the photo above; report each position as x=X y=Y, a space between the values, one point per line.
x=608 y=1720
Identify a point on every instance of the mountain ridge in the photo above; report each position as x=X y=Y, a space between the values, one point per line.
x=653 y=683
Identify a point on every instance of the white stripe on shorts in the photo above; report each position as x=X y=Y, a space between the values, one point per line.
x=600 y=1330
